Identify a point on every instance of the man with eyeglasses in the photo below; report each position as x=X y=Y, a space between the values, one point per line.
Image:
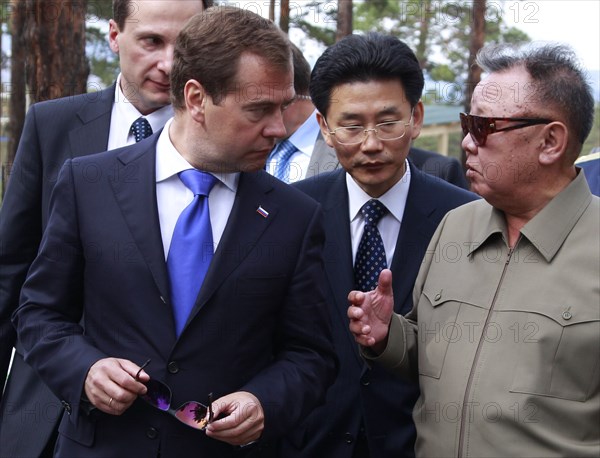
x=505 y=332
x=367 y=91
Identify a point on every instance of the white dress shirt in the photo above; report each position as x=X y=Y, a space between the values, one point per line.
x=123 y=115
x=172 y=196
x=389 y=225
x=304 y=140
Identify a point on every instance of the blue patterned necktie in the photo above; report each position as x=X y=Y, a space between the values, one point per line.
x=191 y=247
x=140 y=129
x=370 y=257
x=282 y=154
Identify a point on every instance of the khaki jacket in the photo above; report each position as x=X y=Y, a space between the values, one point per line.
x=507 y=344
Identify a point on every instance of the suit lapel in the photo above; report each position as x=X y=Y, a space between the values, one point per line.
x=91 y=135
x=244 y=227
x=414 y=235
x=135 y=192
x=338 y=251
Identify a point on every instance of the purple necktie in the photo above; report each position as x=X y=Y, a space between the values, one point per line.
x=191 y=247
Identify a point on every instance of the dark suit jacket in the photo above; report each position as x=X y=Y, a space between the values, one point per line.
x=447 y=168
x=373 y=396
x=260 y=322
x=53 y=132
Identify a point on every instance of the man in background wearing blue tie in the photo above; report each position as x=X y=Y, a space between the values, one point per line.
x=199 y=275
x=303 y=152
x=143 y=34
x=380 y=211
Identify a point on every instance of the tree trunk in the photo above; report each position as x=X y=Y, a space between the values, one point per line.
x=17 y=102
x=272 y=10
x=344 y=19
x=423 y=34
x=284 y=16
x=477 y=41
x=55 y=44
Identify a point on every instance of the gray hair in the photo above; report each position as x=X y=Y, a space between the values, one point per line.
x=561 y=81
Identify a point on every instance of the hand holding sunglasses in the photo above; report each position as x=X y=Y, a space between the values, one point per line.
x=191 y=413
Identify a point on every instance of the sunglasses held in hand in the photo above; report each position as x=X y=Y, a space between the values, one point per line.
x=481 y=126
x=191 y=413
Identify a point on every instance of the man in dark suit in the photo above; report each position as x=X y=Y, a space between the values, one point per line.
x=256 y=333
x=143 y=35
x=367 y=91
x=314 y=156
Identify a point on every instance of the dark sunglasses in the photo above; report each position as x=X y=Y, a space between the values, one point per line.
x=480 y=126
x=191 y=413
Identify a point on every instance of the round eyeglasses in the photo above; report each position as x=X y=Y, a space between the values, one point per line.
x=385 y=131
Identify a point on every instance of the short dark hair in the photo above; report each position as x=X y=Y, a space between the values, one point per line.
x=122 y=10
x=209 y=47
x=301 y=71
x=561 y=84
x=363 y=58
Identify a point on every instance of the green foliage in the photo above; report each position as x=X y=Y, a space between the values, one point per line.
x=442 y=72
x=448 y=31
x=99 y=9
x=323 y=35
x=103 y=62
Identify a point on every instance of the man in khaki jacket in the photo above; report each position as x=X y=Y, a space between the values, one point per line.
x=505 y=333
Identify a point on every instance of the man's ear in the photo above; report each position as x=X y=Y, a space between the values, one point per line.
x=417 y=120
x=553 y=143
x=195 y=99
x=113 y=33
x=324 y=129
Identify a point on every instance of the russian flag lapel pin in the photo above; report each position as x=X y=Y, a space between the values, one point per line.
x=262 y=212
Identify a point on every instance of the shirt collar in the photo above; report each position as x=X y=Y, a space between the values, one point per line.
x=394 y=199
x=170 y=162
x=128 y=113
x=305 y=136
x=547 y=230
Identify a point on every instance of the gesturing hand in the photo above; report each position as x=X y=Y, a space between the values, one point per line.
x=370 y=313
x=111 y=387
x=243 y=419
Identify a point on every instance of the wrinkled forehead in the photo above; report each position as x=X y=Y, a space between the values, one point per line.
x=509 y=91
x=258 y=80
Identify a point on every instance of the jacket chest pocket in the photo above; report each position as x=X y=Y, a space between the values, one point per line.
x=437 y=329
x=562 y=358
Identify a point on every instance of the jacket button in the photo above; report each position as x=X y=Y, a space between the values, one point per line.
x=173 y=367
x=567 y=315
x=66 y=406
x=348 y=438
x=151 y=433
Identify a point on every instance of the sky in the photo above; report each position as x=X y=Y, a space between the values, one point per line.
x=575 y=22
